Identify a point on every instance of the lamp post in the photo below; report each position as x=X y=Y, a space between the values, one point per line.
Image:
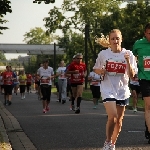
x=86 y=51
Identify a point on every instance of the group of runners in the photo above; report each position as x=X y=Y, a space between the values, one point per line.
x=11 y=81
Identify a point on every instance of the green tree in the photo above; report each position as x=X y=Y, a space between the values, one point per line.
x=4 y=8
x=37 y=36
x=2 y=58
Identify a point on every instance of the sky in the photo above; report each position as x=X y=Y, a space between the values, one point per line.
x=25 y=16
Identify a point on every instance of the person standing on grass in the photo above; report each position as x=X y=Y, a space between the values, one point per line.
x=22 y=81
x=116 y=65
x=94 y=80
x=78 y=72
x=45 y=75
x=141 y=49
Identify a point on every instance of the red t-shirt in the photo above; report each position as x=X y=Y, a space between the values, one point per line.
x=29 y=79
x=77 y=78
x=7 y=77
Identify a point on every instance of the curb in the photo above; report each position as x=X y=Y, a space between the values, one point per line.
x=13 y=137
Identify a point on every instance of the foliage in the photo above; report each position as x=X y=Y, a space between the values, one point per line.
x=84 y=11
x=101 y=17
x=4 y=8
x=37 y=36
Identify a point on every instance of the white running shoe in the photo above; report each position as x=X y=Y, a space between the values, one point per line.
x=112 y=147
x=107 y=146
x=134 y=109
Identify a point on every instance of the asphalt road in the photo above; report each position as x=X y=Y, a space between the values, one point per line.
x=61 y=129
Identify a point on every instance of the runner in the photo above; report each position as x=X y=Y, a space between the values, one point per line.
x=8 y=78
x=22 y=81
x=16 y=84
x=78 y=72
x=135 y=90
x=116 y=65
x=141 y=50
x=62 y=82
x=29 y=82
x=46 y=74
x=95 y=87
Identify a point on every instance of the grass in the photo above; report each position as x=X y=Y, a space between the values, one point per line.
x=88 y=96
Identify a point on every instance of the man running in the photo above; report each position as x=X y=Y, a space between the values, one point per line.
x=141 y=50
x=78 y=72
x=8 y=78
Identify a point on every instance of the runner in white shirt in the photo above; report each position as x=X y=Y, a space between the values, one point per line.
x=116 y=64
x=95 y=87
x=135 y=90
x=62 y=82
x=45 y=74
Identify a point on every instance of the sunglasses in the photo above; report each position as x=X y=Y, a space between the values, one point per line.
x=79 y=58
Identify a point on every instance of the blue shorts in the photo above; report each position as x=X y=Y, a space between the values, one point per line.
x=118 y=102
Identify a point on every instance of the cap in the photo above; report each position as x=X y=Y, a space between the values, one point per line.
x=74 y=56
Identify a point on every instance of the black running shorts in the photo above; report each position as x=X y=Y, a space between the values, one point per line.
x=145 y=87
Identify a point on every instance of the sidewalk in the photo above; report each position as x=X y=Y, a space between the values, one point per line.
x=12 y=136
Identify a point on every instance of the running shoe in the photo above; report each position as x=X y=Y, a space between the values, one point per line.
x=77 y=111
x=9 y=103
x=63 y=101
x=24 y=97
x=134 y=109
x=94 y=107
x=112 y=147
x=47 y=108
x=44 y=111
x=72 y=107
x=107 y=146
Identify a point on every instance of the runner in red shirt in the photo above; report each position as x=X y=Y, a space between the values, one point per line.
x=29 y=81
x=78 y=71
x=8 y=78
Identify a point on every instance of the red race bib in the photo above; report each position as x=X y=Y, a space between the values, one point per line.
x=146 y=61
x=115 y=67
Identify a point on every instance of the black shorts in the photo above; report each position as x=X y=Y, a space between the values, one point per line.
x=22 y=88
x=95 y=91
x=135 y=88
x=76 y=84
x=118 y=102
x=145 y=87
x=38 y=83
x=8 y=89
x=28 y=84
x=46 y=92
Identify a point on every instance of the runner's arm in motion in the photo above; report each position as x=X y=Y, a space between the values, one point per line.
x=131 y=72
